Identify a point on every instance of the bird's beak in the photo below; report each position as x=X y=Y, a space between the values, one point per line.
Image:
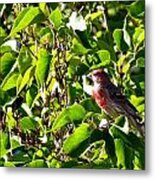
x=89 y=76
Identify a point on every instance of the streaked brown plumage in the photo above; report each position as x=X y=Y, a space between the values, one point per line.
x=110 y=98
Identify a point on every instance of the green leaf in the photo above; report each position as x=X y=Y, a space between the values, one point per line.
x=43 y=65
x=26 y=17
x=118 y=36
x=94 y=15
x=90 y=105
x=9 y=164
x=123 y=64
x=120 y=153
x=140 y=62
x=74 y=113
x=30 y=95
x=125 y=155
x=15 y=142
x=4 y=144
x=136 y=101
x=42 y=6
x=10 y=81
x=126 y=37
x=26 y=78
x=78 y=48
x=4 y=98
x=56 y=18
x=46 y=36
x=138 y=36
x=28 y=123
x=139 y=161
x=137 y=8
x=106 y=46
x=2 y=35
x=38 y=163
x=129 y=139
x=80 y=134
x=137 y=74
x=6 y=63
x=55 y=163
x=104 y=57
x=5 y=49
x=11 y=122
x=24 y=60
x=2 y=32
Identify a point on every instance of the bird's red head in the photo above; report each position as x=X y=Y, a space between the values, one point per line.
x=99 y=76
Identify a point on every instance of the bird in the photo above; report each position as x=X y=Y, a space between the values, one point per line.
x=110 y=99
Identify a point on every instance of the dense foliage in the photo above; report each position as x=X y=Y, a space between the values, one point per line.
x=46 y=117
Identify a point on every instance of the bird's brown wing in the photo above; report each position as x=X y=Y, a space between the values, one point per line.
x=123 y=106
x=121 y=102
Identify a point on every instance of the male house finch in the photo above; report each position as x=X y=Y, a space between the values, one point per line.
x=109 y=98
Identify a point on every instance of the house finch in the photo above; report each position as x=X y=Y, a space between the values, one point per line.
x=109 y=98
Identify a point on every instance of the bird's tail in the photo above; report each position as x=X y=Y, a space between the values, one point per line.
x=139 y=126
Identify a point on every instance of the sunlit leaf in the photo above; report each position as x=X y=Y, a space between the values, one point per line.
x=28 y=123
x=138 y=36
x=26 y=78
x=73 y=141
x=26 y=17
x=43 y=64
x=38 y=163
x=4 y=143
x=78 y=48
x=120 y=153
x=11 y=122
x=74 y=113
x=104 y=56
x=56 y=18
x=10 y=81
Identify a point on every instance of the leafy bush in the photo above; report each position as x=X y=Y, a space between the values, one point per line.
x=46 y=117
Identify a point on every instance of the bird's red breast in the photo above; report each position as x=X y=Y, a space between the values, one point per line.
x=100 y=98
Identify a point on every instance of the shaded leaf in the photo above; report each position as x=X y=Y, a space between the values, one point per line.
x=24 y=60
x=4 y=98
x=129 y=139
x=90 y=105
x=6 y=63
x=137 y=8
